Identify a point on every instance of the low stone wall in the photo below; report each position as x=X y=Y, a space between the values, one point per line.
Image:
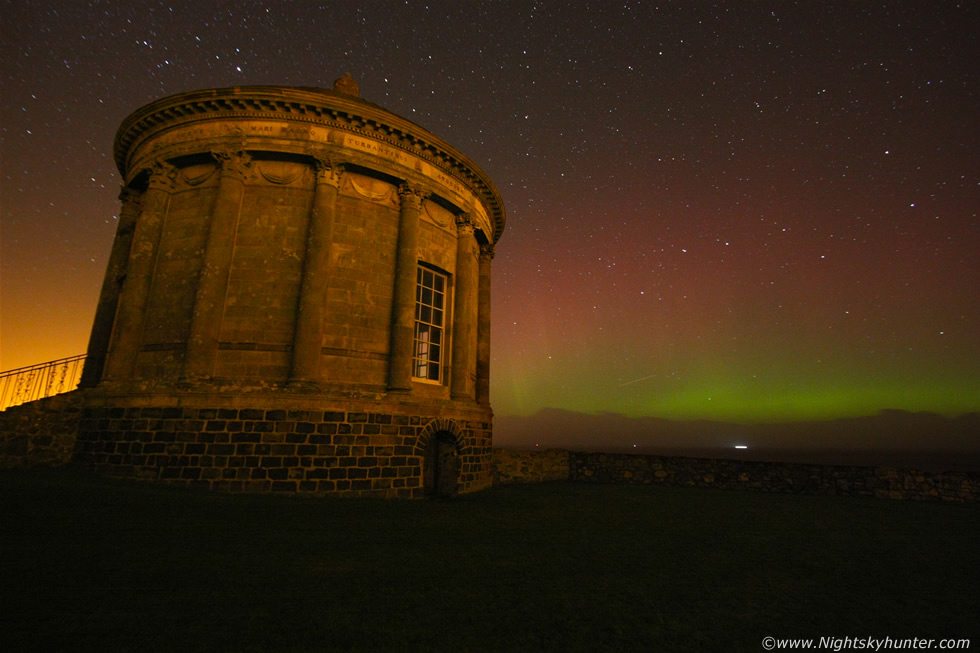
x=841 y=480
x=514 y=466
x=40 y=432
x=511 y=466
x=375 y=454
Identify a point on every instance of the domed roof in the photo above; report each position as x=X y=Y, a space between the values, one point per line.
x=347 y=86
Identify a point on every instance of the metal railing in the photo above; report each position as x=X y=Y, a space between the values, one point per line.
x=25 y=384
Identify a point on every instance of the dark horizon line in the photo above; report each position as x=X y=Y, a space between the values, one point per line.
x=881 y=412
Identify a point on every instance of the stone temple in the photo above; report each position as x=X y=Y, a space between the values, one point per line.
x=297 y=299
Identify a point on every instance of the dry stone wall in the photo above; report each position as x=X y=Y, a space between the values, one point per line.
x=380 y=454
x=515 y=466
x=40 y=432
x=841 y=480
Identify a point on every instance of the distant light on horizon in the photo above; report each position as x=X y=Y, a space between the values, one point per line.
x=741 y=446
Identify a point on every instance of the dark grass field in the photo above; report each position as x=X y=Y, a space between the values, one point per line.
x=94 y=565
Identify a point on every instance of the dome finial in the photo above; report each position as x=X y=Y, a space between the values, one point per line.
x=347 y=86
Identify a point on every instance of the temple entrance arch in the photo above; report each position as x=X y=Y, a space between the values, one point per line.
x=439 y=445
x=441 y=466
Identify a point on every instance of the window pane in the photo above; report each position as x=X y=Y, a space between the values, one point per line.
x=430 y=300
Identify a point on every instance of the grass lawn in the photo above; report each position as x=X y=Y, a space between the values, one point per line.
x=96 y=565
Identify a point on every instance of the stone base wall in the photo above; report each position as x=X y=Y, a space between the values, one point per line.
x=275 y=450
x=285 y=443
x=368 y=452
x=843 y=480
x=40 y=432
x=514 y=466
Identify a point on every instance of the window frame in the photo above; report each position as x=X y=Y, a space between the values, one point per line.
x=429 y=353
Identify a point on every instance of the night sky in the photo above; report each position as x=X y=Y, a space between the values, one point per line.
x=746 y=212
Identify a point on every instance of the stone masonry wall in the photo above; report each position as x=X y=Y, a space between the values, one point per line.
x=843 y=480
x=882 y=482
x=256 y=450
x=514 y=466
x=377 y=454
x=40 y=432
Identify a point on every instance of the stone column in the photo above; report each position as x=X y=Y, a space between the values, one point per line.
x=465 y=311
x=308 y=334
x=127 y=332
x=212 y=284
x=403 y=301
x=483 y=327
x=115 y=273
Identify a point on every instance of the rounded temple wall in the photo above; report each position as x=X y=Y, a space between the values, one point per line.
x=292 y=249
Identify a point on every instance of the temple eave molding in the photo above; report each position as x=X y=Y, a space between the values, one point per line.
x=321 y=156
x=269 y=122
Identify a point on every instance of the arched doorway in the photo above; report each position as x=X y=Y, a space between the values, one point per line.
x=441 y=466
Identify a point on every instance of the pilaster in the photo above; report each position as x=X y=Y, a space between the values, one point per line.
x=202 y=344
x=127 y=331
x=308 y=335
x=463 y=375
x=115 y=273
x=483 y=326
x=403 y=302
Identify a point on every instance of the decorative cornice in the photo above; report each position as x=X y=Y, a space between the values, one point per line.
x=308 y=105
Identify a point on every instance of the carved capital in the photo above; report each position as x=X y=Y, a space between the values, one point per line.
x=233 y=163
x=486 y=252
x=329 y=170
x=464 y=224
x=131 y=200
x=128 y=195
x=163 y=176
x=411 y=195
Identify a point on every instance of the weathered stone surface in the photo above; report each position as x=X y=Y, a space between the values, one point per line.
x=248 y=339
x=515 y=466
x=842 y=480
x=40 y=432
x=223 y=454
